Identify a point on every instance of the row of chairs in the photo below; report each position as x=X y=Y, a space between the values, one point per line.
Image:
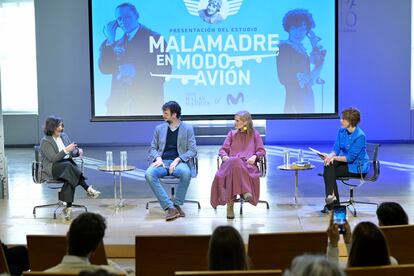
x=401 y=270
x=371 y=176
x=163 y=255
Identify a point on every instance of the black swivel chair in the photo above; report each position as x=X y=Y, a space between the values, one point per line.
x=371 y=176
x=173 y=181
x=4 y=267
x=51 y=184
x=262 y=165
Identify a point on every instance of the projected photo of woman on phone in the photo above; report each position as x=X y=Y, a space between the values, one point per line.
x=297 y=70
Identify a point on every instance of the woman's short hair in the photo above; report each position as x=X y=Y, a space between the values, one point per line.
x=296 y=17
x=369 y=246
x=52 y=123
x=313 y=265
x=352 y=115
x=246 y=117
x=391 y=213
x=226 y=250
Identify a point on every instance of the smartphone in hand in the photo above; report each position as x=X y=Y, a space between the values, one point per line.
x=340 y=217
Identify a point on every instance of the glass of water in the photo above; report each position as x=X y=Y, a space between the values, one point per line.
x=124 y=159
x=109 y=160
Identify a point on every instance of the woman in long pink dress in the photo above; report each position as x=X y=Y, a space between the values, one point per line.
x=238 y=173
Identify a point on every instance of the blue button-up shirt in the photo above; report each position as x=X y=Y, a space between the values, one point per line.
x=353 y=147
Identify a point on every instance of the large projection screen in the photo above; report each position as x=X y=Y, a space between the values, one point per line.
x=274 y=58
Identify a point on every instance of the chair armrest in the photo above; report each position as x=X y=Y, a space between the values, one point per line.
x=37 y=172
x=81 y=162
x=262 y=160
x=194 y=160
x=219 y=161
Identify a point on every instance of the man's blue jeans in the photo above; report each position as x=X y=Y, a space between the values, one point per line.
x=153 y=175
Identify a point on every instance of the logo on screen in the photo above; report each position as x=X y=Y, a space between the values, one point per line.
x=213 y=11
x=231 y=100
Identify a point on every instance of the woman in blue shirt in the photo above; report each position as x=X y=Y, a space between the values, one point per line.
x=348 y=157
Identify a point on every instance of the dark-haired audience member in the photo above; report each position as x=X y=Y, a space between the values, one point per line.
x=366 y=245
x=17 y=259
x=84 y=236
x=99 y=272
x=313 y=265
x=391 y=213
x=226 y=250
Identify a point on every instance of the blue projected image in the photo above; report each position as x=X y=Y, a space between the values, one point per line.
x=214 y=57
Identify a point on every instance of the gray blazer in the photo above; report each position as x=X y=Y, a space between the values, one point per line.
x=50 y=154
x=186 y=144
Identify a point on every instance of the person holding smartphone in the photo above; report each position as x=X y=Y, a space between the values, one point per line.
x=57 y=152
x=131 y=62
x=366 y=245
x=349 y=156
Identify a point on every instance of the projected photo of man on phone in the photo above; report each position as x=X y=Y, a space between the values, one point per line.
x=128 y=59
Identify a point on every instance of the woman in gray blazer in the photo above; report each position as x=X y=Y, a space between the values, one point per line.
x=57 y=152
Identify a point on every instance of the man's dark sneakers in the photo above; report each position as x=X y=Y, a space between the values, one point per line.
x=172 y=214
x=325 y=209
x=182 y=214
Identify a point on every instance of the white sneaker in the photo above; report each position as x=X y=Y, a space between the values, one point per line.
x=330 y=199
x=93 y=193
x=67 y=211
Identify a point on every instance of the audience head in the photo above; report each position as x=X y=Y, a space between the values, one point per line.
x=313 y=265
x=99 y=272
x=226 y=250
x=51 y=124
x=369 y=246
x=350 y=117
x=391 y=213
x=243 y=121
x=170 y=108
x=85 y=233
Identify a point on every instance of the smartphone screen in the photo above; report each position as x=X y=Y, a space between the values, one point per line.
x=339 y=215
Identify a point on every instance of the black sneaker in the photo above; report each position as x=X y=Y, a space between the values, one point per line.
x=325 y=209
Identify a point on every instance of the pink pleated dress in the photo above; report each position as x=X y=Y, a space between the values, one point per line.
x=236 y=176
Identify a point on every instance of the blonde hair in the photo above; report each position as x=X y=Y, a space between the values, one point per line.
x=246 y=117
